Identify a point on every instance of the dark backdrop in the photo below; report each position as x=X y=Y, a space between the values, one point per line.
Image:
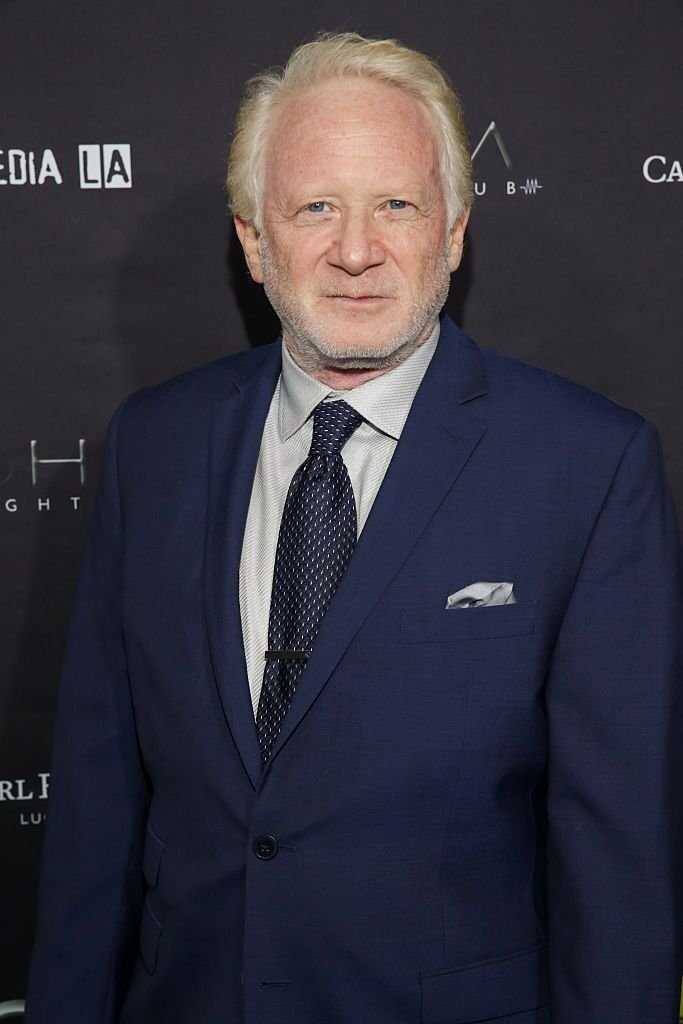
x=118 y=266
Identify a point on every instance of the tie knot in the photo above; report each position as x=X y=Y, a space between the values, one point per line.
x=333 y=424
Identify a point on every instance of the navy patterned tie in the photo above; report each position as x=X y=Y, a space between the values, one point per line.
x=317 y=536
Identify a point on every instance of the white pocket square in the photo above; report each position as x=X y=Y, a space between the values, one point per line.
x=479 y=595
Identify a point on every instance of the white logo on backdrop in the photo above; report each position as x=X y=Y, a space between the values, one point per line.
x=36 y=461
x=530 y=186
x=28 y=167
x=79 y=460
x=658 y=169
x=23 y=791
x=106 y=165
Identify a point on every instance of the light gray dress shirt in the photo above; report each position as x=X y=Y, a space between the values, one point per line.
x=384 y=403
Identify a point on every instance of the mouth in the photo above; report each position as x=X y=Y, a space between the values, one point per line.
x=360 y=300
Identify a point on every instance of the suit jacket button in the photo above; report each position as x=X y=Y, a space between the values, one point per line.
x=265 y=847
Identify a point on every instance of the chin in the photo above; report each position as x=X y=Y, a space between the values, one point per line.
x=346 y=343
x=372 y=340
x=362 y=353
x=359 y=347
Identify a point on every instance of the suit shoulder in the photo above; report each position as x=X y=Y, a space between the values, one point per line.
x=215 y=379
x=192 y=395
x=555 y=401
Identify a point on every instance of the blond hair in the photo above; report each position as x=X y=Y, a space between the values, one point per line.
x=333 y=56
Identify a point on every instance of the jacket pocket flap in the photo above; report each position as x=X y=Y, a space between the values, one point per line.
x=429 y=626
x=484 y=991
x=151 y=857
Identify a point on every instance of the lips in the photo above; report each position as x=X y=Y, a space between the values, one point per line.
x=358 y=298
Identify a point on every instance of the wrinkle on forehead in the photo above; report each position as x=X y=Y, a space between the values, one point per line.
x=358 y=124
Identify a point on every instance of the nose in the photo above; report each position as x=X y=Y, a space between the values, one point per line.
x=357 y=246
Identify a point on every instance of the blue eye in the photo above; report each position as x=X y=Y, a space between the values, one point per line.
x=318 y=207
x=397 y=204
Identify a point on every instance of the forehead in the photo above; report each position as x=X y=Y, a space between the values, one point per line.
x=356 y=128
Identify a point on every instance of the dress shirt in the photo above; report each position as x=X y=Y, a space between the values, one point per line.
x=384 y=403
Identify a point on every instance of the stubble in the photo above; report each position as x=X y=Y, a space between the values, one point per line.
x=309 y=342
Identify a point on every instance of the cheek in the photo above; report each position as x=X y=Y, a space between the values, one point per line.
x=420 y=264
x=301 y=257
x=419 y=244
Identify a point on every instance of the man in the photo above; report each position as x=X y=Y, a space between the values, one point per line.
x=370 y=710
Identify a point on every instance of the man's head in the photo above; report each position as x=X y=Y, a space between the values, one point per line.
x=350 y=183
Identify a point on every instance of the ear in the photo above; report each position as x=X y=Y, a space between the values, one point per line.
x=249 y=237
x=456 y=241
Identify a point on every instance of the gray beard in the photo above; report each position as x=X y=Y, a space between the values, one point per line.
x=313 y=351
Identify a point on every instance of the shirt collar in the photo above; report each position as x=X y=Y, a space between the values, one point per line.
x=384 y=401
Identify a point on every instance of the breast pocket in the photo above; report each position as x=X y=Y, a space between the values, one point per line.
x=510 y=988
x=150 y=925
x=426 y=626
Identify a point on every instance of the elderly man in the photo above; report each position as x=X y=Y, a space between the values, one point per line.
x=370 y=710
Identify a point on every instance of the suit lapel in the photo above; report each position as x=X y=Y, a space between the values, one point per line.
x=438 y=439
x=236 y=431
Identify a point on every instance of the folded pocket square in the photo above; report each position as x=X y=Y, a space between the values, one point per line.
x=479 y=595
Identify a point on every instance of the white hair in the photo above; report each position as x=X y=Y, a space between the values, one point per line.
x=347 y=55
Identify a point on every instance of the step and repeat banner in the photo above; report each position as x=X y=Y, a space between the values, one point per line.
x=119 y=267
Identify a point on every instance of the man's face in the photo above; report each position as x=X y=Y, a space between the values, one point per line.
x=355 y=252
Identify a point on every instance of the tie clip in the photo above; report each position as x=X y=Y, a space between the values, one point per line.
x=287 y=655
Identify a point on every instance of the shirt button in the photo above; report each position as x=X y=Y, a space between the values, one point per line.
x=265 y=847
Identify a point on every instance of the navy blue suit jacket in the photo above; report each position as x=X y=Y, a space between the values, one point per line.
x=475 y=813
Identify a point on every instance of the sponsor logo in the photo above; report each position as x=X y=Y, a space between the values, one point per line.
x=100 y=165
x=659 y=170
x=527 y=186
x=107 y=166
x=35 y=462
x=16 y=793
x=26 y=167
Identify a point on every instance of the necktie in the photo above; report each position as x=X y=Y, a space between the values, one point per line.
x=317 y=536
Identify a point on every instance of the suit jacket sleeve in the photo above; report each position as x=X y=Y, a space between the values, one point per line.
x=89 y=896
x=615 y=774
